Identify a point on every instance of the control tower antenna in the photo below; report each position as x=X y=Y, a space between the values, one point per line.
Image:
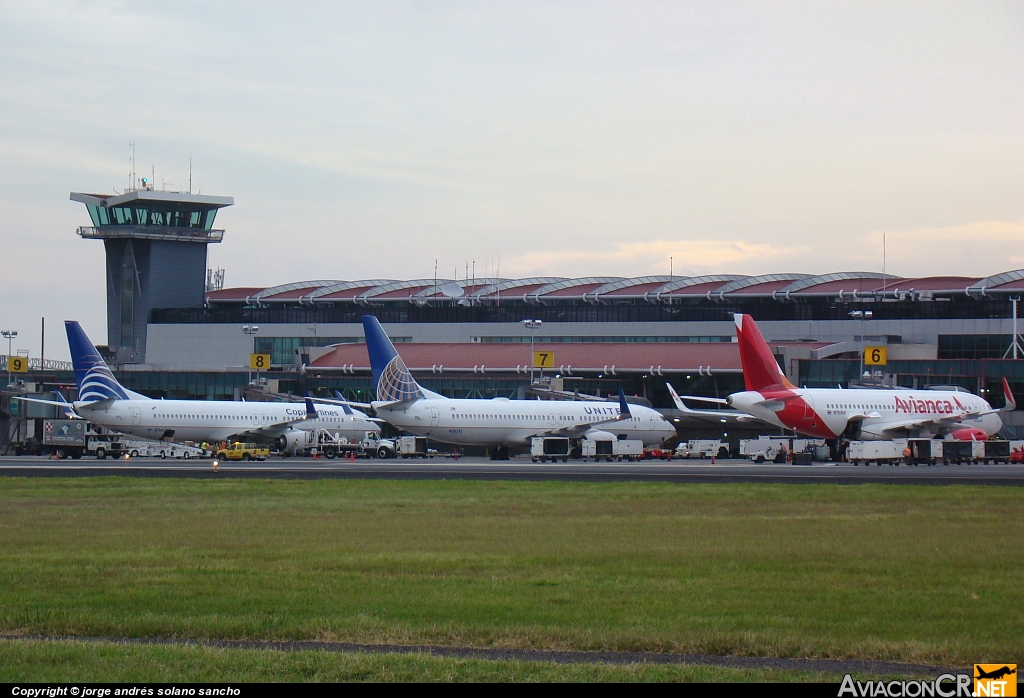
x=190 y=173
x=131 y=184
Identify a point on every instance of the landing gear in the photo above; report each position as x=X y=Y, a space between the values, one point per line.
x=499 y=453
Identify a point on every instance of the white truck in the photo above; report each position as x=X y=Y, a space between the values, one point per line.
x=323 y=442
x=702 y=448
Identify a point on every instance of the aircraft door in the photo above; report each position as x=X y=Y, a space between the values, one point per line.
x=434 y=417
x=136 y=416
x=808 y=407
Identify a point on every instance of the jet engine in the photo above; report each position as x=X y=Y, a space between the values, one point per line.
x=294 y=441
x=969 y=434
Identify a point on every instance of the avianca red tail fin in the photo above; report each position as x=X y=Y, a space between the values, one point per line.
x=760 y=369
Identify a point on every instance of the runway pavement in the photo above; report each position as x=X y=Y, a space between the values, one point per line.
x=521 y=469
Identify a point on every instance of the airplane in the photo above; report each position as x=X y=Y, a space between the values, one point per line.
x=104 y=401
x=995 y=673
x=498 y=423
x=864 y=414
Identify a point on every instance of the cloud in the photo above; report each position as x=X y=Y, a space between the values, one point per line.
x=978 y=248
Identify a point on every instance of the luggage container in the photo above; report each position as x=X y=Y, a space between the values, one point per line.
x=412 y=446
x=543 y=448
x=997 y=451
x=628 y=449
x=963 y=451
x=878 y=452
x=598 y=447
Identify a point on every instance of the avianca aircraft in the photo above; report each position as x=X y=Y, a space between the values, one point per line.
x=854 y=414
x=500 y=422
x=104 y=401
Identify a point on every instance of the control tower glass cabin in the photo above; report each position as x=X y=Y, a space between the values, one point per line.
x=156 y=257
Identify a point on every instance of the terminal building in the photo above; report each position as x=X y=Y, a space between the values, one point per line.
x=170 y=333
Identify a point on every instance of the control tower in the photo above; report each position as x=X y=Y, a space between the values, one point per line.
x=156 y=257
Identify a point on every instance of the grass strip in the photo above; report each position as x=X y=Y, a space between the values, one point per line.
x=71 y=661
x=923 y=575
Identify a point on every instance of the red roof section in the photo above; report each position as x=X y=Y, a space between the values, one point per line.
x=233 y=294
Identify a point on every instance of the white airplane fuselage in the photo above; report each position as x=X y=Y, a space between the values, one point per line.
x=219 y=420
x=825 y=412
x=507 y=422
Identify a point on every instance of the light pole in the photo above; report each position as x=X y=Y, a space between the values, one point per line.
x=251 y=330
x=10 y=335
x=532 y=325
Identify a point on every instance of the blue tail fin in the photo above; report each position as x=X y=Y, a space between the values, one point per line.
x=391 y=378
x=94 y=379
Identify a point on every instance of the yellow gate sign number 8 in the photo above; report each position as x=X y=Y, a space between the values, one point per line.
x=17 y=364
x=259 y=361
x=874 y=356
x=543 y=359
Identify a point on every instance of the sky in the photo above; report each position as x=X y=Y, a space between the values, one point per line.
x=375 y=140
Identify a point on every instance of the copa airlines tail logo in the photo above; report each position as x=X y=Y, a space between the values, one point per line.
x=99 y=384
x=396 y=383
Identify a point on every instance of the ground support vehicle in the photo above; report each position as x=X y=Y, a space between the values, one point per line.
x=766 y=448
x=543 y=448
x=65 y=438
x=168 y=449
x=323 y=442
x=243 y=451
x=702 y=448
x=412 y=447
x=1016 y=452
x=658 y=453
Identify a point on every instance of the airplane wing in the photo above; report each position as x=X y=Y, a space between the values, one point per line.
x=582 y=427
x=715 y=414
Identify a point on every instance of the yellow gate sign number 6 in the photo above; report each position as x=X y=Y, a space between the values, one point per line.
x=259 y=362
x=17 y=364
x=874 y=356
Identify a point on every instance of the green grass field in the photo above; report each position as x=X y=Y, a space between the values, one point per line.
x=922 y=574
x=106 y=662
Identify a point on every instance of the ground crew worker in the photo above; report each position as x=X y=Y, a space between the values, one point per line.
x=908 y=455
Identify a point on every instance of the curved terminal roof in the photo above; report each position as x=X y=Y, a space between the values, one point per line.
x=600 y=289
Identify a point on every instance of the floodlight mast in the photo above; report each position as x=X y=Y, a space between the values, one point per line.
x=9 y=335
x=252 y=330
x=532 y=325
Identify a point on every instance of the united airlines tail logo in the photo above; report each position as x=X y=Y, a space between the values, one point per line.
x=99 y=384
x=396 y=383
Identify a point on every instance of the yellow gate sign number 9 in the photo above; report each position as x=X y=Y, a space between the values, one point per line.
x=874 y=356
x=543 y=359
x=259 y=362
x=17 y=364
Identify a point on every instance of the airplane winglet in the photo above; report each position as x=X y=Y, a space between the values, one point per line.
x=624 y=412
x=1011 y=404
x=311 y=409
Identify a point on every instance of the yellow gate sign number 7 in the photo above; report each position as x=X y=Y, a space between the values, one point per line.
x=17 y=364
x=543 y=359
x=260 y=362
x=874 y=356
